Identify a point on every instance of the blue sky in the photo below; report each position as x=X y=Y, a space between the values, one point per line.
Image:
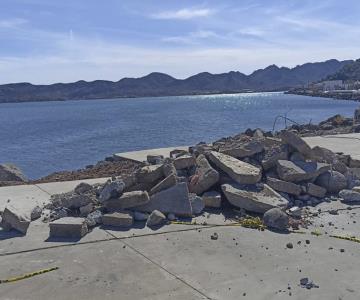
x=46 y=41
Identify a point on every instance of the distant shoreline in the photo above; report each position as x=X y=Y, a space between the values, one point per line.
x=331 y=95
x=139 y=97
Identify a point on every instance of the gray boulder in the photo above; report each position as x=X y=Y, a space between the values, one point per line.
x=276 y=218
x=205 y=176
x=350 y=196
x=332 y=181
x=241 y=172
x=139 y=216
x=35 y=213
x=155 y=218
x=10 y=172
x=258 y=199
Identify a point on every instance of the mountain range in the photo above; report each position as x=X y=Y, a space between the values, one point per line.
x=272 y=78
x=350 y=72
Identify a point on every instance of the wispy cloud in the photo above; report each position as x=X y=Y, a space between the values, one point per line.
x=191 y=38
x=183 y=14
x=12 y=23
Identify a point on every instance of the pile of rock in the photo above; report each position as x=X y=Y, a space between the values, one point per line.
x=275 y=176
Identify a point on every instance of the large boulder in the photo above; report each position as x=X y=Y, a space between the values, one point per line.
x=300 y=171
x=9 y=172
x=277 y=219
x=238 y=170
x=245 y=149
x=296 y=142
x=284 y=186
x=205 y=176
x=332 y=181
x=257 y=199
x=172 y=200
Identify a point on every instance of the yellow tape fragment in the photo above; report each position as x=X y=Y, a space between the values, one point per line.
x=28 y=275
x=352 y=239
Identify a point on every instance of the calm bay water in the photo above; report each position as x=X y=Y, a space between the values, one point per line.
x=44 y=137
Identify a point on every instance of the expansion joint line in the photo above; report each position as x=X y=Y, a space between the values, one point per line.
x=162 y=268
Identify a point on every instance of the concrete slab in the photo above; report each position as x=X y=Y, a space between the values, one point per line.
x=93 y=271
x=141 y=156
x=255 y=264
x=37 y=237
x=23 y=197
x=53 y=188
x=346 y=143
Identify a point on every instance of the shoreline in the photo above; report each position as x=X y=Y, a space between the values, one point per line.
x=331 y=95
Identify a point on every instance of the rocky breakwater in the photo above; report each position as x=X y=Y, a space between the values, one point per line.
x=274 y=177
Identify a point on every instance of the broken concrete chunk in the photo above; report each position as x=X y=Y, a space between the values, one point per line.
x=155 y=218
x=253 y=198
x=315 y=190
x=68 y=227
x=245 y=149
x=238 y=170
x=13 y=218
x=172 y=200
x=296 y=142
x=94 y=218
x=197 y=203
x=300 y=171
x=184 y=162
x=277 y=219
x=85 y=210
x=118 y=219
x=169 y=168
x=272 y=154
x=112 y=189
x=332 y=181
x=166 y=183
x=149 y=174
x=128 y=200
x=154 y=159
x=284 y=186
x=205 y=176
x=212 y=199
x=82 y=188
x=349 y=196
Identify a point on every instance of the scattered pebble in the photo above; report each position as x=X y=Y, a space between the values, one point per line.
x=289 y=245
x=214 y=236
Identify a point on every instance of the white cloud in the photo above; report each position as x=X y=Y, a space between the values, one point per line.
x=191 y=38
x=183 y=14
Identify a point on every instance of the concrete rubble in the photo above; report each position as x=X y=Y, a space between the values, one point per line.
x=273 y=176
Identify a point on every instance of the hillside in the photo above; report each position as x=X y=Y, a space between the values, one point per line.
x=271 y=78
x=348 y=72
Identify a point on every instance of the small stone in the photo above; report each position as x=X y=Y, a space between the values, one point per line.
x=307 y=242
x=171 y=217
x=349 y=196
x=289 y=245
x=342 y=250
x=94 y=218
x=214 y=236
x=155 y=218
x=275 y=218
